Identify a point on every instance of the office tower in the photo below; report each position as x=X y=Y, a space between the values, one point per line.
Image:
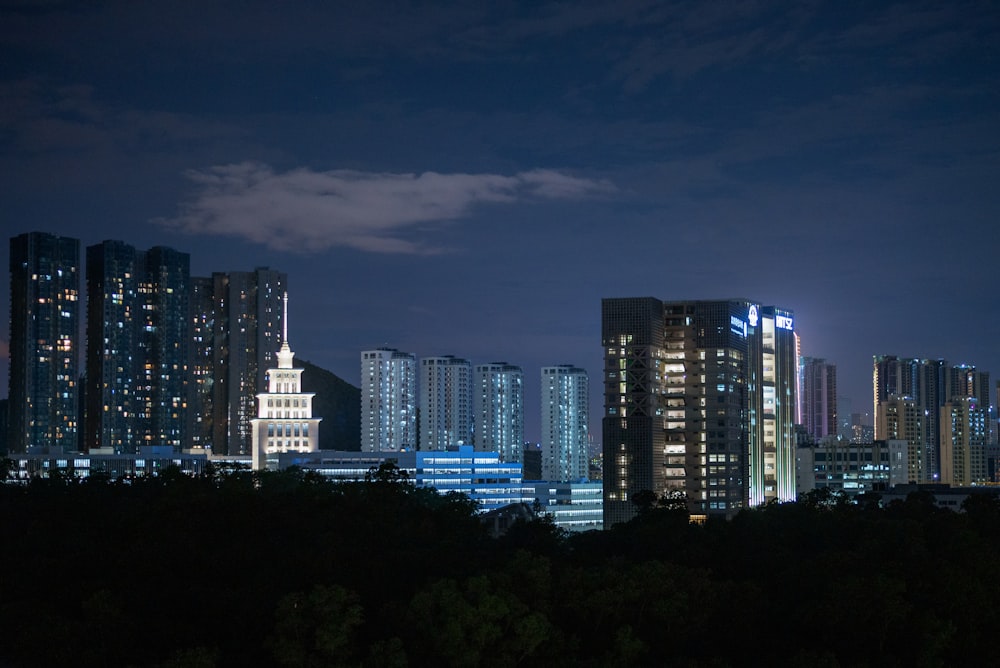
x=388 y=400
x=43 y=397
x=798 y=379
x=699 y=401
x=445 y=402
x=498 y=409
x=903 y=419
x=565 y=423
x=964 y=437
x=284 y=421
x=772 y=446
x=247 y=314
x=137 y=347
x=818 y=397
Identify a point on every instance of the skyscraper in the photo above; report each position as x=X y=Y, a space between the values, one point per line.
x=700 y=403
x=818 y=397
x=498 y=409
x=388 y=400
x=137 y=347
x=445 y=402
x=44 y=343
x=284 y=421
x=565 y=423
x=246 y=333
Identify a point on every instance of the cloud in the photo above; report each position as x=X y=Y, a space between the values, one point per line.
x=308 y=210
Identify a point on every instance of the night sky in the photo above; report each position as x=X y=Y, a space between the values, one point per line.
x=469 y=180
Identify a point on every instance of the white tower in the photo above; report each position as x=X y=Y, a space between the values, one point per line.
x=565 y=420
x=284 y=421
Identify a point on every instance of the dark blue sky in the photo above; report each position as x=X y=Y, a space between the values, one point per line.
x=450 y=179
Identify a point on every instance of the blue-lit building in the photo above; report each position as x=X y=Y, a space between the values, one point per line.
x=480 y=475
x=574 y=506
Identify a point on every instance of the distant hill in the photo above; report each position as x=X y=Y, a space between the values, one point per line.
x=338 y=403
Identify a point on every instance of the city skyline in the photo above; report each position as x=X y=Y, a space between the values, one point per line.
x=266 y=275
x=473 y=181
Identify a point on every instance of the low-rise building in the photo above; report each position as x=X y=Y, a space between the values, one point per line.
x=853 y=468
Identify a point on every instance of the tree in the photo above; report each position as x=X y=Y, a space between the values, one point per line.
x=318 y=628
x=387 y=472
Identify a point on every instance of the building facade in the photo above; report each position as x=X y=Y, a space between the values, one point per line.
x=818 y=397
x=44 y=412
x=491 y=483
x=388 y=400
x=137 y=347
x=200 y=367
x=930 y=384
x=852 y=468
x=902 y=419
x=247 y=319
x=925 y=383
x=284 y=421
x=573 y=506
x=498 y=409
x=699 y=400
x=565 y=416
x=965 y=436
x=445 y=402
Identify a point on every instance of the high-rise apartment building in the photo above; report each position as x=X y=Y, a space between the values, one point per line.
x=388 y=400
x=964 y=438
x=200 y=367
x=137 y=347
x=445 y=402
x=498 y=410
x=901 y=418
x=931 y=384
x=284 y=421
x=700 y=403
x=44 y=343
x=565 y=423
x=924 y=383
x=246 y=321
x=964 y=380
x=818 y=397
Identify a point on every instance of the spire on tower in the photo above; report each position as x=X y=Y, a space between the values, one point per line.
x=285 y=355
x=284 y=320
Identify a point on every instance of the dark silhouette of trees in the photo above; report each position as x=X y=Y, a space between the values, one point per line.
x=236 y=568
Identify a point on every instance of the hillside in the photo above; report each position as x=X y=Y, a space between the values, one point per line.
x=338 y=403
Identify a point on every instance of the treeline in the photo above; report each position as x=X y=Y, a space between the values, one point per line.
x=289 y=569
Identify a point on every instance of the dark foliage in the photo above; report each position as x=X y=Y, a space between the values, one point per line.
x=288 y=569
